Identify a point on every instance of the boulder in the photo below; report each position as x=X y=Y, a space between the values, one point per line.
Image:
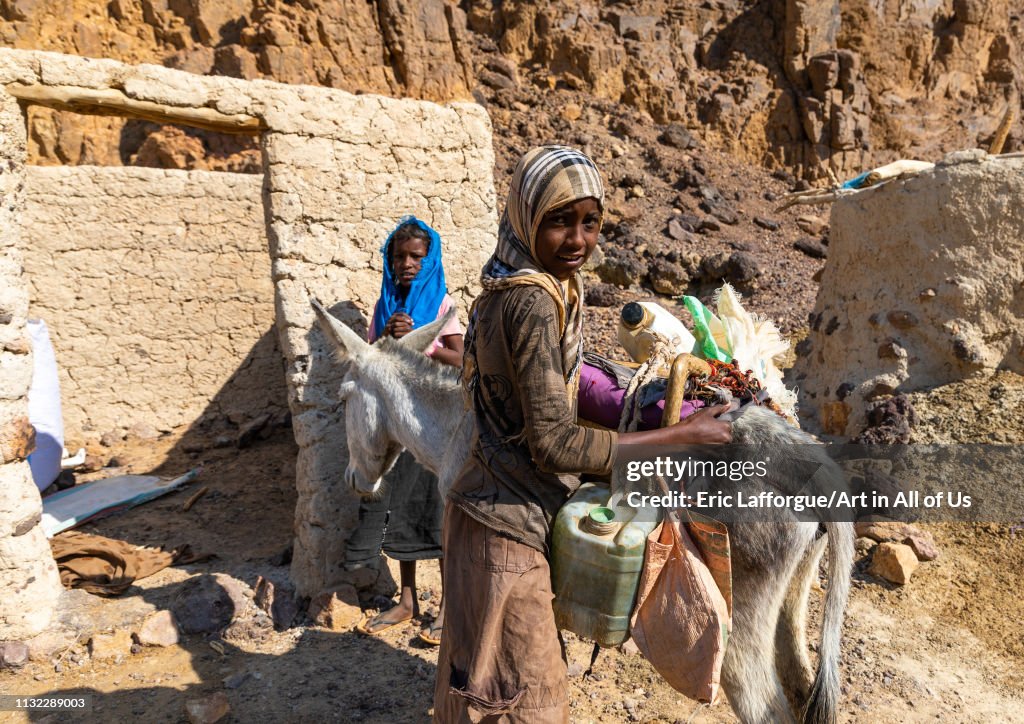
x=921 y=542
x=677 y=136
x=278 y=601
x=885 y=530
x=811 y=247
x=811 y=224
x=668 y=277
x=203 y=605
x=13 y=654
x=678 y=230
x=622 y=267
x=158 y=629
x=923 y=546
x=44 y=646
x=601 y=295
x=894 y=562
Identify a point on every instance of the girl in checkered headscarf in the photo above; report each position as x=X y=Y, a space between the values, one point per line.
x=546 y=178
x=501 y=658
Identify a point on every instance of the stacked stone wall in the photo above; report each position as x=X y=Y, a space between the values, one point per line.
x=29 y=586
x=156 y=288
x=337 y=184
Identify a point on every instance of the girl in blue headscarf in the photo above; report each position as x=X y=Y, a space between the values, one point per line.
x=405 y=521
x=413 y=291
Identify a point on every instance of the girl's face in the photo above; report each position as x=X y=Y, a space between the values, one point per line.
x=567 y=237
x=407 y=257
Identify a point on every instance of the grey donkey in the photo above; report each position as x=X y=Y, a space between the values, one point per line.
x=396 y=397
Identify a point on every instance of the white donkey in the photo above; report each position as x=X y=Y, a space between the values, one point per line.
x=396 y=397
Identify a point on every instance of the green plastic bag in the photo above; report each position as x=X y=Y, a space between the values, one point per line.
x=711 y=335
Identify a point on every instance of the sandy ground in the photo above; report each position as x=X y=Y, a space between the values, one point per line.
x=949 y=646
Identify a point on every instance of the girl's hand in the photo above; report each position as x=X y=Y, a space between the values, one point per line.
x=701 y=428
x=398 y=326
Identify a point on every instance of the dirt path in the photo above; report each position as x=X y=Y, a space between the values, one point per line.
x=947 y=647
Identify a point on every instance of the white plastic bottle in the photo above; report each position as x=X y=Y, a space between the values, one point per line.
x=637 y=322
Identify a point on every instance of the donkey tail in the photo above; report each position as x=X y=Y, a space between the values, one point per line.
x=824 y=698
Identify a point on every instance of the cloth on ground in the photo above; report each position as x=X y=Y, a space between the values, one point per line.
x=92 y=500
x=107 y=567
x=88 y=501
x=404 y=522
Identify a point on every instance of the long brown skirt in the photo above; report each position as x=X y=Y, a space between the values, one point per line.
x=501 y=657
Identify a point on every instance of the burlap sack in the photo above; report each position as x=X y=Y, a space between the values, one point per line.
x=681 y=622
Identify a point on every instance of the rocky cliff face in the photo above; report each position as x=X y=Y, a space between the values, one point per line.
x=797 y=83
x=816 y=86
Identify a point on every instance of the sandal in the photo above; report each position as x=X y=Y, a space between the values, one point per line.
x=371 y=625
x=432 y=634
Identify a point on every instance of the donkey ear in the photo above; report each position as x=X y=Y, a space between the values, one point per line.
x=349 y=344
x=423 y=338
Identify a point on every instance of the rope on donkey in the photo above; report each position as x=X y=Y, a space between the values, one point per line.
x=661 y=357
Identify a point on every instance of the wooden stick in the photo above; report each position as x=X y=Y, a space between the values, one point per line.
x=1003 y=130
x=192 y=500
x=112 y=102
x=825 y=197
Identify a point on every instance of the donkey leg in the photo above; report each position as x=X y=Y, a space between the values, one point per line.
x=791 y=659
x=748 y=672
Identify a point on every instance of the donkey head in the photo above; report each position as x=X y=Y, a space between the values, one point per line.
x=373 y=445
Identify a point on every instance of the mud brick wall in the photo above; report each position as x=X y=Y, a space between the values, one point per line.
x=156 y=287
x=337 y=183
x=29 y=586
x=340 y=169
x=924 y=286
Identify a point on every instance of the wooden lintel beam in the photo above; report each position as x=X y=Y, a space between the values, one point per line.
x=112 y=102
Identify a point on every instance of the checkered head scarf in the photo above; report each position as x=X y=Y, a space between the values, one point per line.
x=546 y=178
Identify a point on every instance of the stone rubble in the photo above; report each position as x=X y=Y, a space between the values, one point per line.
x=158 y=629
x=894 y=562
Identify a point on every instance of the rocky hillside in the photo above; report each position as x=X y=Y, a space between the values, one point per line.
x=800 y=84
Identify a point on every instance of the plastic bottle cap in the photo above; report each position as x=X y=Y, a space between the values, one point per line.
x=600 y=521
x=632 y=314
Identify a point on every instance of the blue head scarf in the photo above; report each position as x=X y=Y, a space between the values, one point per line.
x=428 y=287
